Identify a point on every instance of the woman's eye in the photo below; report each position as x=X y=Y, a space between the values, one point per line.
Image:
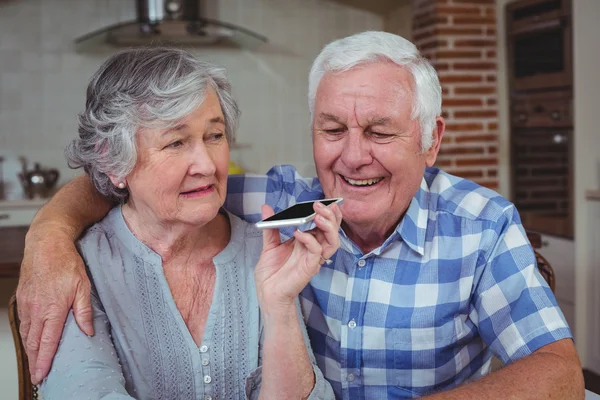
x=217 y=136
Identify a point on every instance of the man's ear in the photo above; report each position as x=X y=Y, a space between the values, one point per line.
x=436 y=141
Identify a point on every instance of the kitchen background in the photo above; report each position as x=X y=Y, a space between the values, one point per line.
x=43 y=81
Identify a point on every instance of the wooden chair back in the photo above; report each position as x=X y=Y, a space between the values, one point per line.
x=27 y=391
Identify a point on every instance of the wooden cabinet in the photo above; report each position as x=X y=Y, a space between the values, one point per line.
x=541 y=114
x=12 y=243
x=15 y=217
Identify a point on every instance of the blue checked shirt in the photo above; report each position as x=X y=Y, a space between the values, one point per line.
x=455 y=283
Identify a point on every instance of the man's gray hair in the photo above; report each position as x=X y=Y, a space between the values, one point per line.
x=141 y=88
x=370 y=47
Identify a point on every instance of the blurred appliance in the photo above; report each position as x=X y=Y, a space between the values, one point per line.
x=539 y=43
x=171 y=22
x=38 y=182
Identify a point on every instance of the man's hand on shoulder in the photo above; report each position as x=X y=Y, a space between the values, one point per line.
x=53 y=279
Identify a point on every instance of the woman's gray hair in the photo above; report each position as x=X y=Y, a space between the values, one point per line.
x=141 y=88
x=370 y=47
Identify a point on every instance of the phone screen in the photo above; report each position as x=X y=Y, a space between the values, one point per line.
x=298 y=211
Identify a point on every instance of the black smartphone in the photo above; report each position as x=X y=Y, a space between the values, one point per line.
x=298 y=214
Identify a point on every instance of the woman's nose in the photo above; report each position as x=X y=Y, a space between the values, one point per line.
x=201 y=161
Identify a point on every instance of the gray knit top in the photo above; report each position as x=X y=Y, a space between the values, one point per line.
x=142 y=348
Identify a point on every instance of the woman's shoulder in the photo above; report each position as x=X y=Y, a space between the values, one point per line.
x=246 y=239
x=106 y=245
x=101 y=231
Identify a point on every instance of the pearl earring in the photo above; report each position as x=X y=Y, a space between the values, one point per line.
x=121 y=185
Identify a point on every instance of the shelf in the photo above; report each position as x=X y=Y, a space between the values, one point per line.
x=23 y=203
x=593 y=195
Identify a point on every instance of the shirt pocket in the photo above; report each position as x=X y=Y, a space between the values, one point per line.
x=424 y=356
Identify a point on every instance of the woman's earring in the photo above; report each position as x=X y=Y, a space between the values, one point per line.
x=121 y=185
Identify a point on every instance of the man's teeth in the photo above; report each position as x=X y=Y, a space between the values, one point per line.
x=362 y=182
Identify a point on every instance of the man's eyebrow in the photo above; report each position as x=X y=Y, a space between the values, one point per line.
x=330 y=117
x=379 y=121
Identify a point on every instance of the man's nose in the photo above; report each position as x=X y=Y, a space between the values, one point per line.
x=357 y=151
x=201 y=161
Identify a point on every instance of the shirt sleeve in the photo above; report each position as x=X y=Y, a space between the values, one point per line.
x=280 y=188
x=514 y=307
x=86 y=367
x=322 y=389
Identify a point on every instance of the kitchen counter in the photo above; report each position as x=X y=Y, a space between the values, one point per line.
x=593 y=195
x=15 y=217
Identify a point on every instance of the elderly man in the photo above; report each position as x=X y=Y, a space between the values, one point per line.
x=435 y=273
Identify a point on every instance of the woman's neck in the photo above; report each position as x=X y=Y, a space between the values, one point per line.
x=179 y=243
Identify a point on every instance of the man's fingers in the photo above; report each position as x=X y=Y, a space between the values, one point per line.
x=82 y=309
x=309 y=241
x=51 y=334
x=32 y=346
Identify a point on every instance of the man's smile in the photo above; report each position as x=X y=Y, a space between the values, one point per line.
x=362 y=182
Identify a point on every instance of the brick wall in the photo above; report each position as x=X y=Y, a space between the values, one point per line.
x=459 y=37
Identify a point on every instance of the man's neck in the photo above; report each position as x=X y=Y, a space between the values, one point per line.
x=369 y=236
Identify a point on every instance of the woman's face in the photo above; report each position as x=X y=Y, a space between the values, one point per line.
x=181 y=173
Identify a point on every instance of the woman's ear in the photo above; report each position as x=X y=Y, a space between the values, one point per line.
x=116 y=182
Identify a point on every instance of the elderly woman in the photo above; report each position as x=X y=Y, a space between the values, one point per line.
x=185 y=304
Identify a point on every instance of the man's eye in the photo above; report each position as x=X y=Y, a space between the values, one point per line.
x=336 y=130
x=380 y=135
x=176 y=144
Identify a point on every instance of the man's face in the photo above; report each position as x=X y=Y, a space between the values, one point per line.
x=366 y=147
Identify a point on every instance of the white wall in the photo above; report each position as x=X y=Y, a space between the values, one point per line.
x=586 y=32
x=43 y=81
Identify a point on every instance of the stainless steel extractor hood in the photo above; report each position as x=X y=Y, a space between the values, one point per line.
x=170 y=22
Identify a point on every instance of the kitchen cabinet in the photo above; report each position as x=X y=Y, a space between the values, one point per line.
x=15 y=217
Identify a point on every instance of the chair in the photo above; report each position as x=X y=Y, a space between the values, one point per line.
x=27 y=391
x=543 y=265
x=546 y=270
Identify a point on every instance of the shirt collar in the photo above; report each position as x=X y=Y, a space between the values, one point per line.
x=413 y=226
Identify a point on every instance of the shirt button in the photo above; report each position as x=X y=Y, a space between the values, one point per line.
x=207 y=379
x=205 y=361
x=203 y=349
x=352 y=324
x=350 y=378
x=361 y=263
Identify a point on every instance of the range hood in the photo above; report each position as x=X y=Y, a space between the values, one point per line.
x=170 y=22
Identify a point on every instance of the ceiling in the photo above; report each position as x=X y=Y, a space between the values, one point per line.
x=376 y=6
